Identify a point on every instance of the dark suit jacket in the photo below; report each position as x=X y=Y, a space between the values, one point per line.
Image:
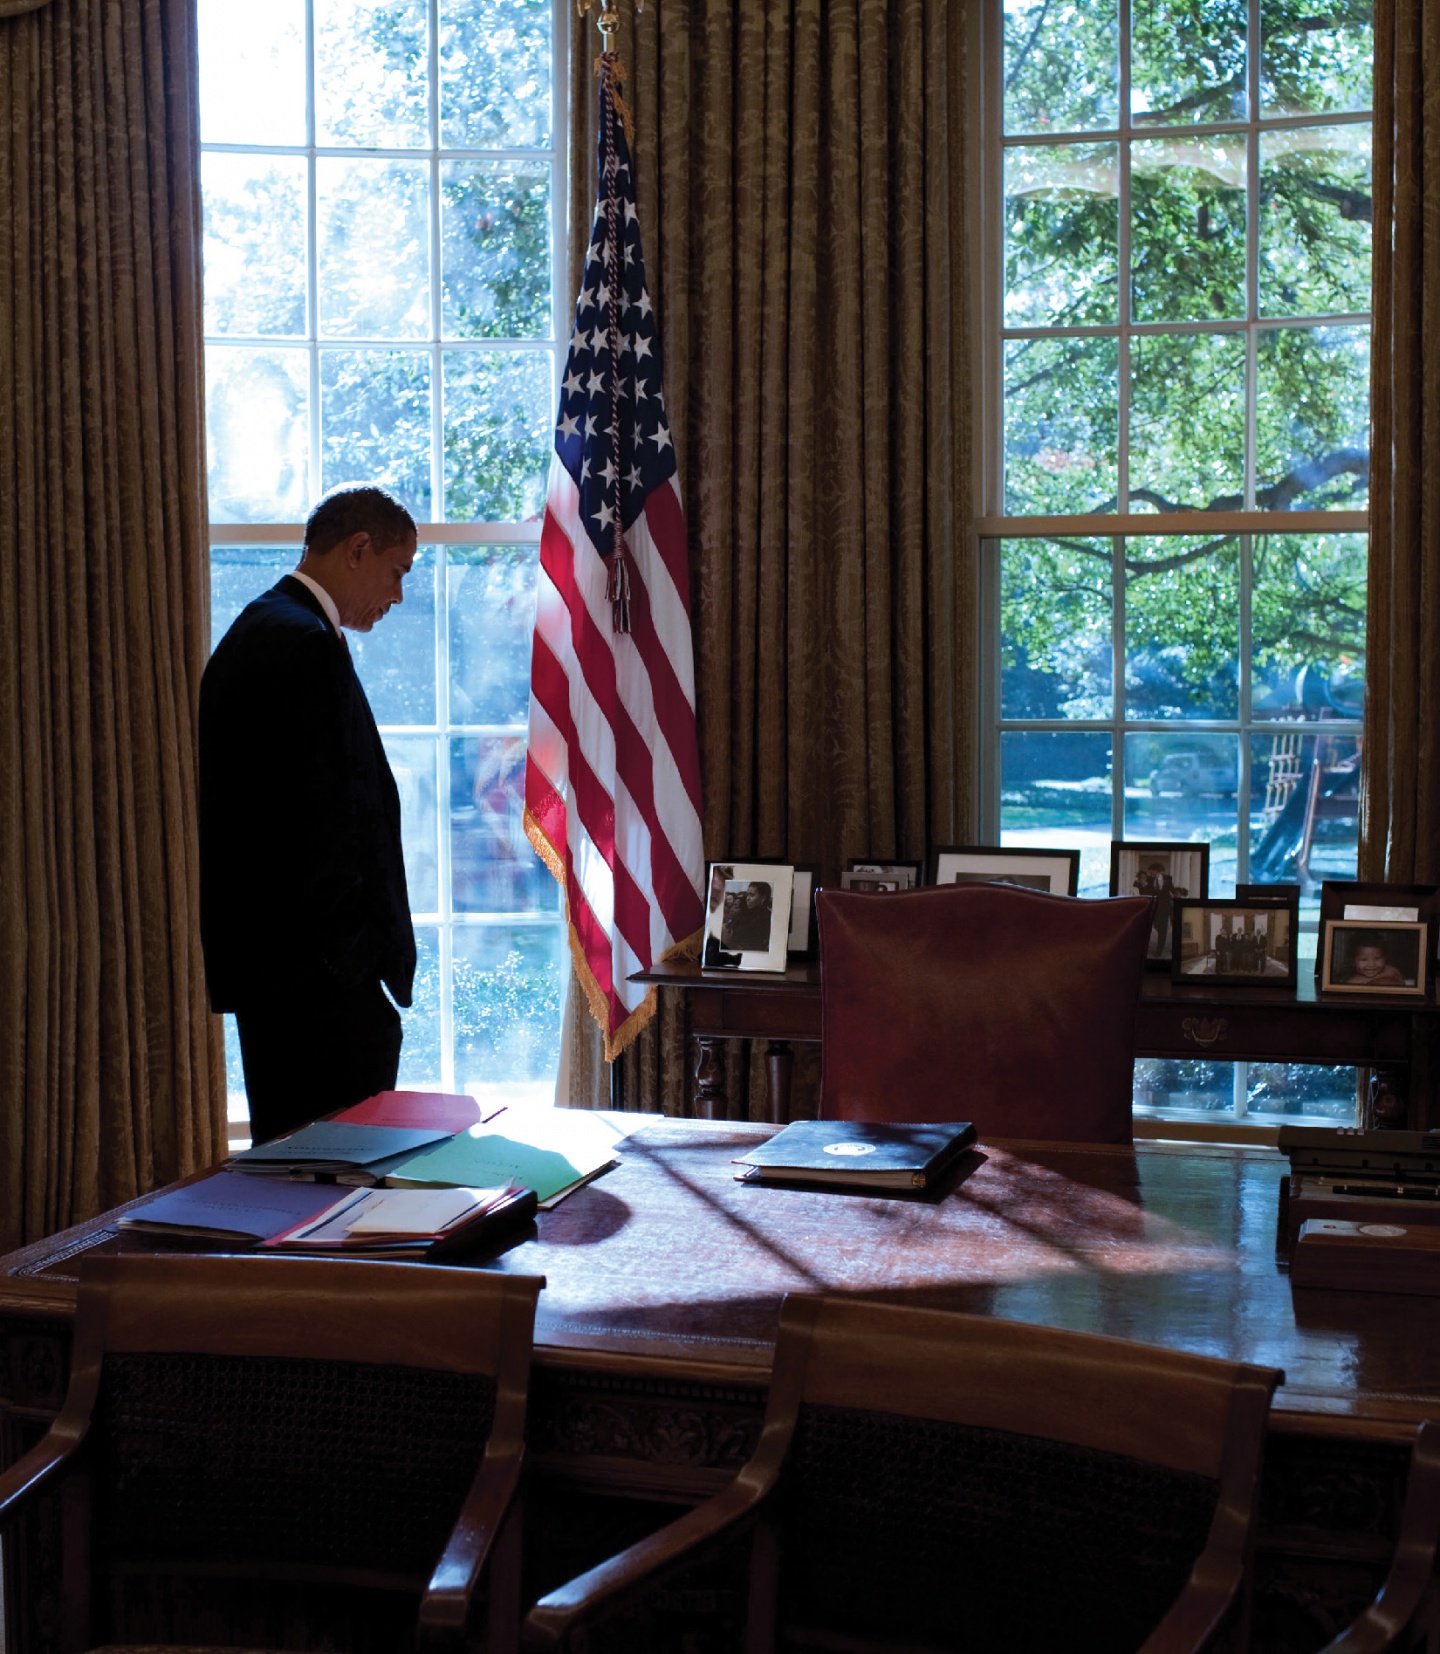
x=302 y=877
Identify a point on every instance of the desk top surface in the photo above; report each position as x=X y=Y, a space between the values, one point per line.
x=667 y=1259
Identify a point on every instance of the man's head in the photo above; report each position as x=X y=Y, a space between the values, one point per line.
x=359 y=545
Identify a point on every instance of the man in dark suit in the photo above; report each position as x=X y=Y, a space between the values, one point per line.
x=303 y=907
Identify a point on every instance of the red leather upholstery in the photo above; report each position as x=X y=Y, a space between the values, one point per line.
x=984 y=1002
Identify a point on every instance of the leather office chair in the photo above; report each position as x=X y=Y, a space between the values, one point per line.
x=287 y=1452
x=992 y=1003
x=1405 y=1616
x=935 y=1481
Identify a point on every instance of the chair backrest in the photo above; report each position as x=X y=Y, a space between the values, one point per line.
x=986 y=1002
x=1020 y=1482
x=311 y=1419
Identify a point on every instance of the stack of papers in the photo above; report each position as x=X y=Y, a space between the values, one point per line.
x=228 y=1207
x=399 y=1222
x=331 y=1147
x=552 y=1151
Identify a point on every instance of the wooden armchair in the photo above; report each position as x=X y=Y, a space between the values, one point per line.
x=287 y=1452
x=1406 y=1614
x=929 y=1481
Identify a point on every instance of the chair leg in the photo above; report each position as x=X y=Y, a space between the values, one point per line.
x=764 y=1600
x=505 y=1568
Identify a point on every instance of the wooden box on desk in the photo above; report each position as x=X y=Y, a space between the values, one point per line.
x=1367 y=1257
x=1304 y=1196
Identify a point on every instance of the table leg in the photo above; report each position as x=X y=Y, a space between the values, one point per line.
x=710 y=1102
x=779 y=1064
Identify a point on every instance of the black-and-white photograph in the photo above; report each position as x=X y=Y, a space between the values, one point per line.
x=854 y=878
x=884 y=875
x=1235 y=942
x=748 y=916
x=1056 y=871
x=1374 y=956
x=1170 y=872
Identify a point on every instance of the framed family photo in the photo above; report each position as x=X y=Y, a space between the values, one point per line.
x=868 y=873
x=747 y=916
x=1055 y=871
x=1233 y=941
x=1374 y=956
x=1170 y=872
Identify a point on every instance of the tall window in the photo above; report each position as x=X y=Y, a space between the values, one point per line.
x=1177 y=468
x=384 y=227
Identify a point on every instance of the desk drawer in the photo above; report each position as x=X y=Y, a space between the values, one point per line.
x=1282 y=1033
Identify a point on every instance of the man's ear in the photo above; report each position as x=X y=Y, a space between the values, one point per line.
x=356 y=547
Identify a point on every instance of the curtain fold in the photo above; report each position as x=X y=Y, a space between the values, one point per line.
x=1400 y=828
x=111 y=1068
x=801 y=177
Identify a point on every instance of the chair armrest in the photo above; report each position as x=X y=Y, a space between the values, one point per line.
x=445 y=1607
x=30 y=1473
x=1196 y=1613
x=550 y=1622
x=1407 y=1603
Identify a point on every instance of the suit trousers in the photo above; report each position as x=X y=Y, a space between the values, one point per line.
x=308 y=1057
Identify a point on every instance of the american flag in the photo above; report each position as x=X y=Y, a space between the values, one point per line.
x=612 y=775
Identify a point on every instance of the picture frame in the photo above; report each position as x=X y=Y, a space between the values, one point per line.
x=1170 y=870
x=1268 y=893
x=1375 y=902
x=871 y=872
x=1375 y=956
x=800 y=943
x=747 y=916
x=1235 y=941
x=1055 y=871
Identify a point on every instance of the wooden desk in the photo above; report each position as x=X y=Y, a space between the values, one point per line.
x=1222 y=1021
x=656 y=1328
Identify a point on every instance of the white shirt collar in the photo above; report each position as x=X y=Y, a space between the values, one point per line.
x=332 y=614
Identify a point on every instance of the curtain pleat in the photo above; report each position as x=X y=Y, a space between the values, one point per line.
x=111 y=1068
x=801 y=178
x=1400 y=830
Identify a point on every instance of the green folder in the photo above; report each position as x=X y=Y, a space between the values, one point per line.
x=536 y=1151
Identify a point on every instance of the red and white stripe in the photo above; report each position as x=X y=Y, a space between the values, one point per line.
x=612 y=776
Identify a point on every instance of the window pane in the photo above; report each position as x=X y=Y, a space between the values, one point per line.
x=420 y=1052
x=495 y=869
x=1183 y=787
x=1315 y=59
x=492 y=611
x=1313 y=419
x=1187 y=208
x=1315 y=211
x=375 y=422
x=371 y=73
x=1307 y=622
x=1288 y=1088
x=499 y=431
x=506 y=983
x=1187 y=421
x=412 y=762
x=239 y=573
x=258 y=434
x=1304 y=806
x=1190 y=1086
x=1182 y=628
x=1062 y=71
x=396 y=661
x=1056 y=649
x=1062 y=223
x=1061 y=425
x=1187 y=63
x=495 y=250
x=254 y=243
x=1055 y=793
x=252 y=71
x=495 y=74
x=374 y=245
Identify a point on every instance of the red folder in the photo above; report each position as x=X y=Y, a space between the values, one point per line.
x=427 y=1110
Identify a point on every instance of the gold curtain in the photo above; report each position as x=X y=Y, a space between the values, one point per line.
x=111 y=1069
x=800 y=170
x=1400 y=834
